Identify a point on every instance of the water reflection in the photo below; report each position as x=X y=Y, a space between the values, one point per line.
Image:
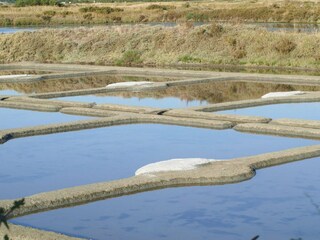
x=9 y=92
x=58 y=85
x=273 y=205
x=6 y=30
x=162 y=102
x=13 y=118
x=192 y=95
x=291 y=110
x=269 y=26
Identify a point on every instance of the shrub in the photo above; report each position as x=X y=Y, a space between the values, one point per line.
x=188 y=59
x=23 y=3
x=130 y=57
x=214 y=29
x=160 y=7
x=198 y=17
x=102 y=10
x=49 y=13
x=88 y=16
x=285 y=46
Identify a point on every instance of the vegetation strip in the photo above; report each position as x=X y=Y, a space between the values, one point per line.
x=216 y=44
x=57 y=13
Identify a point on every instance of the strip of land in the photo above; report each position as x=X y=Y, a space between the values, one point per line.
x=144 y=12
x=158 y=46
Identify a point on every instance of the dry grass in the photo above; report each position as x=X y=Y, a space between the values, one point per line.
x=244 y=10
x=145 y=45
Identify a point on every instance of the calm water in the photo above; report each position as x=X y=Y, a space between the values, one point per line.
x=9 y=92
x=13 y=118
x=279 y=203
x=67 y=84
x=167 y=102
x=308 y=111
x=6 y=30
x=286 y=27
x=42 y=163
x=192 y=95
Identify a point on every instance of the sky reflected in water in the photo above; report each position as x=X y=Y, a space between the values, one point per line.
x=308 y=111
x=167 y=102
x=278 y=203
x=42 y=163
x=9 y=92
x=16 y=118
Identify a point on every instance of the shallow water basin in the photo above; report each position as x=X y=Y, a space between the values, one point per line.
x=67 y=84
x=9 y=93
x=308 y=111
x=14 y=118
x=43 y=163
x=191 y=95
x=278 y=203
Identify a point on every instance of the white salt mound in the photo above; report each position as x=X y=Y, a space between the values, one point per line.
x=128 y=84
x=14 y=76
x=173 y=165
x=282 y=94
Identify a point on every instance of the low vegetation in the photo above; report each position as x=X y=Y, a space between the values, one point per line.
x=147 y=45
x=5 y=214
x=23 y=3
x=117 y=11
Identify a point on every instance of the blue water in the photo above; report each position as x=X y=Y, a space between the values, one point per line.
x=9 y=92
x=310 y=111
x=42 y=163
x=285 y=27
x=167 y=102
x=278 y=203
x=7 y=30
x=13 y=118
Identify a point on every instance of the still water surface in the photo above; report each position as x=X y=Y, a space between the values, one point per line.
x=14 y=118
x=309 y=111
x=192 y=95
x=42 y=163
x=285 y=27
x=272 y=204
x=166 y=102
x=279 y=203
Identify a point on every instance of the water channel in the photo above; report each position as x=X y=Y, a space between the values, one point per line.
x=277 y=26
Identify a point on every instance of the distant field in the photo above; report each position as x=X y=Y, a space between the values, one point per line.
x=146 y=45
x=129 y=12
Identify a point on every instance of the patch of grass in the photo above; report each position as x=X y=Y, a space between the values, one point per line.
x=130 y=57
x=101 y=10
x=189 y=59
x=285 y=46
x=159 y=7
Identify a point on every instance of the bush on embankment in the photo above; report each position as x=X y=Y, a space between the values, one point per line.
x=134 y=45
